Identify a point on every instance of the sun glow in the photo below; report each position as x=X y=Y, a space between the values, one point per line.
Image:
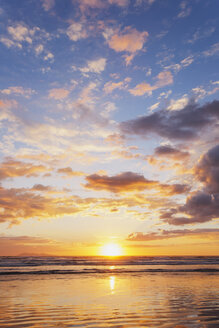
x=111 y=249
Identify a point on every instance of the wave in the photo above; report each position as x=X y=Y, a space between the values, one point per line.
x=109 y=271
x=32 y=261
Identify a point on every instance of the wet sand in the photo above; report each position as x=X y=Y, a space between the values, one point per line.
x=188 y=300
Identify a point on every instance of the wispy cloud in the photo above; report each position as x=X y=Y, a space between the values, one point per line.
x=110 y=86
x=48 y=4
x=68 y=172
x=11 y=168
x=76 y=31
x=163 y=78
x=18 y=90
x=94 y=66
x=185 y=9
x=213 y=50
x=167 y=234
x=58 y=93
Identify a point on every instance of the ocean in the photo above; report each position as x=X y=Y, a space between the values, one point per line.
x=158 y=292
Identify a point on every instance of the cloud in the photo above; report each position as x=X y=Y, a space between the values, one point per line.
x=86 y=5
x=130 y=40
x=179 y=103
x=123 y=182
x=8 y=107
x=48 y=4
x=147 y=2
x=110 y=86
x=183 y=63
x=76 y=31
x=68 y=172
x=185 y=10
x=201 y=206
x=174 y=189
x=163 y=78
x=129 y=182
x=41 y=188
x=207 y=170
x=17 y=90
x=11 y=168
x=184 y=124
x=94 y=66
x=167 y=234
x=171 y=152
x=84 y=109
x=128 y=59
x=39 y=49
x=214 y=50
x=20 y=203
x=21 y=35
x=58 y=93
x=10 y=43
x=154 y=106
x=49 y=56
x=18 y=34
x=201 y=34
x=120 y=3
x=115 y=139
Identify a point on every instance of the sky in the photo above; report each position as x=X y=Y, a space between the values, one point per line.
x=109 y=127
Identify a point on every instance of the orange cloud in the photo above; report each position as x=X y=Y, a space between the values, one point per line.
x=141 y=89
x=129 y=40
x=163 y=78
x=58 y=93
x=11 y=169
x=167 y=234
x=111 y=86
x=86 y=5
x=20 y=203
x=129 y=182
x=17 y=90
x=123 y=182
x=68 y=172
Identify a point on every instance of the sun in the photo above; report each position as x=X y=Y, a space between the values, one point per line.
x=111 y=249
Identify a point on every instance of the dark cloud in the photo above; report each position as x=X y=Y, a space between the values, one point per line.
x=184 y=124
x=207 y=170
x=167 y=234
x=129 y=181
x=172 y=152
x=201 y=206
x=126 y=181
x=40 y=187
x=176 y=188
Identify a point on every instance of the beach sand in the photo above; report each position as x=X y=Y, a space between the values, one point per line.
x=188 y=300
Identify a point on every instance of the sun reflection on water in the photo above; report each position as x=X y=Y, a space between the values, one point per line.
x=112 y=284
